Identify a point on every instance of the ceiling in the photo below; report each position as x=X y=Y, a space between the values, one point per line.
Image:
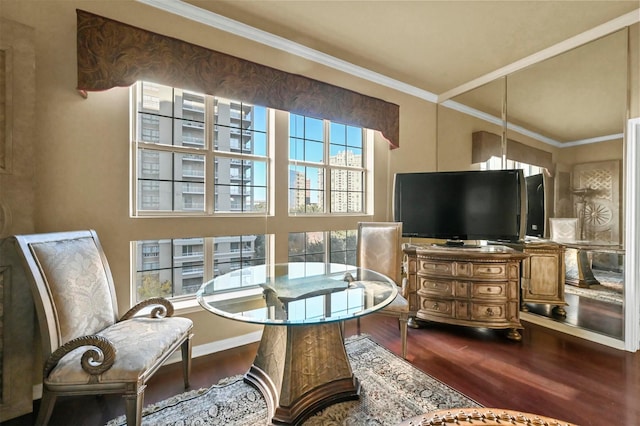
x=442 y=47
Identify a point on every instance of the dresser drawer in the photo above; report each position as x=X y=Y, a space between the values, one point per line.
x=489 y=290
x=437 y=268
x=490 y=270
x=442 y=288
x=488 y=312
x=441 y=308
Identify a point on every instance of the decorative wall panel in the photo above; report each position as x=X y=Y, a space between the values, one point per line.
x=599 y=206
x=17 y=118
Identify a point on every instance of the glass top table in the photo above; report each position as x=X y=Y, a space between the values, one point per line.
x=301 y=365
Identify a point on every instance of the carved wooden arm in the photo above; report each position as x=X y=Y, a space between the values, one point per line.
x=164 y=308
x=95 y=360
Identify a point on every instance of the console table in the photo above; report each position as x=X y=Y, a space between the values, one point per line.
x=469 y=286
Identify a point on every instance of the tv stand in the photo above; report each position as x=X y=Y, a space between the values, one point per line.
x=474 y=287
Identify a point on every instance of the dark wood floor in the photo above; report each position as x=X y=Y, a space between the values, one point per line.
x=605 y=318
x=548 y=373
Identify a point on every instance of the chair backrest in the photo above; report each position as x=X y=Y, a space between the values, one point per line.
x=71 y=284
x=563 y=229
x=378 y=248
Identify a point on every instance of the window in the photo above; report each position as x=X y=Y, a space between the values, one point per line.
x=495 y=163
x=326 y=167
x=198 y=154
x=178 y=267
x=312 y=246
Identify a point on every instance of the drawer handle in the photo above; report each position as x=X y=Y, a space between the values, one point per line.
x=490 y=312
x=435 y=306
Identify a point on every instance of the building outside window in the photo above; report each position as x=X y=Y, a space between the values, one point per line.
x=176 y=268
x=176 y=146
x=326 y=167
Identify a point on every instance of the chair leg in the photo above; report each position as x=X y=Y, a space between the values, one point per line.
x=46 y=408
x=403 y=334
x=133 y=406
x=358 y=325
x=186 y=360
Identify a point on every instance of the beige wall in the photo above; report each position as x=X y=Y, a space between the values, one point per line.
x=82 y=145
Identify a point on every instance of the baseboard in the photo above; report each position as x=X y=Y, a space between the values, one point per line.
x=196 y=351
x=571 y=330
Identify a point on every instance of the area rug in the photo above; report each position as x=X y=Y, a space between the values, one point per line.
x=392 y=390
x=597 y=292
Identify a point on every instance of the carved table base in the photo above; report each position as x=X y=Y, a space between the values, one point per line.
x=301 y=369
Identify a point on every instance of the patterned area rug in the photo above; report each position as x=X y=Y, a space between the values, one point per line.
x=609 y=290
x=391 y=390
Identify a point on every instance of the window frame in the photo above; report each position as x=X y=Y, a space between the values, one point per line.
x=209 y=153
x=366 y=170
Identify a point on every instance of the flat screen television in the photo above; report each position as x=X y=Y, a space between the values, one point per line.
x=464 y=205
x=536 y=206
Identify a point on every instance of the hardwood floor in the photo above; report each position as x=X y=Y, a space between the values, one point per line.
x=547 y=373
x=590 y=314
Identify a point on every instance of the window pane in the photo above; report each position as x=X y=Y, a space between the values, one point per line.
x=188 y=133
x=169 y=268
x=155 y=129
x=354 y=137
x=170 y=181
x=239 y=127
x=313 y=129
x=307 y=247
x=296 y=149
x=240 y=185
x=238 y=251
x=306 y=189
x=338 y=134
x=315 y=242
x=313 y=151
x=296 y=126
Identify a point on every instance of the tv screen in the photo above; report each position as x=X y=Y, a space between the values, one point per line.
x=464 y=205
x=536 y=211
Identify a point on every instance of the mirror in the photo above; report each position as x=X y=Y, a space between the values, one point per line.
x=477 y=110
x=572 y=109
x=578 y=101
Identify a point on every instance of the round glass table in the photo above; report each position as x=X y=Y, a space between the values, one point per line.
x=301 y=365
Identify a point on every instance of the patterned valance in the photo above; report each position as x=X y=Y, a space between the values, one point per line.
x=486 y=145
x=113 y=54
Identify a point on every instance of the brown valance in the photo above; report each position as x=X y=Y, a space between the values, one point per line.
x=113 y=54
x=486 y=145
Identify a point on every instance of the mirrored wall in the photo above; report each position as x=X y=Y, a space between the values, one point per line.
x=565 y=115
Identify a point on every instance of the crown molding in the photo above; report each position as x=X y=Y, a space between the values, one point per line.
x=178 y=7
x=214 y=20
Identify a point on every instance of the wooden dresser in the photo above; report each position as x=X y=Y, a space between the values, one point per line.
x=477 y=287
x=543 y=275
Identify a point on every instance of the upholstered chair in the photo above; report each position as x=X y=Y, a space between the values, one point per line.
x=563 y=229
x=86 y=348
x=379 y=249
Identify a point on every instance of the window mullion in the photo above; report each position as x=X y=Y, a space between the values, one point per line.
x=327 y=166
x=209 y=175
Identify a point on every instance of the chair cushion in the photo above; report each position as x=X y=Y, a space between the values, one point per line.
x=139 y=343
x=77 y=282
